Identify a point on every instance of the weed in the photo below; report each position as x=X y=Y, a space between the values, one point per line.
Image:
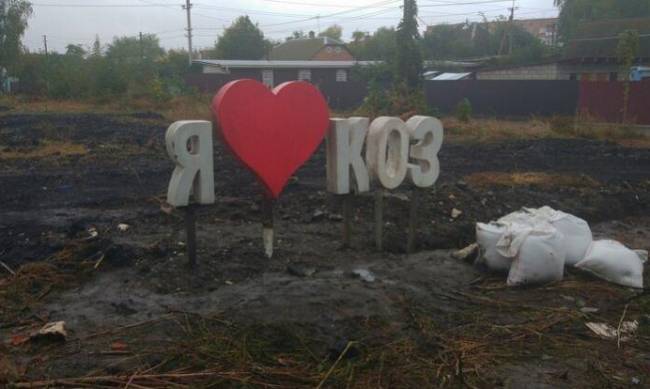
x=464 y=111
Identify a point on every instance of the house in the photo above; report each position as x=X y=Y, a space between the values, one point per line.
x=311 y=49
x=273 y=73
x=590 y=56
x=317 y=60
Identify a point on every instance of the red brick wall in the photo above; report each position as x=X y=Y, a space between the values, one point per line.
x=333 y=53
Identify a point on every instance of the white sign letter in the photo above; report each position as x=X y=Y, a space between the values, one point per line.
x=428 y=132
x=344 y=144
x=189 y=144
x=387 y=151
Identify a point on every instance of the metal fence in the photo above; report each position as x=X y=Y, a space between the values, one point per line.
x=505 y=98
x=339 y=95
x=604 y=101
x=494 y=98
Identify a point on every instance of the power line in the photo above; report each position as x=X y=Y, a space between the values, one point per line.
x=71 y=5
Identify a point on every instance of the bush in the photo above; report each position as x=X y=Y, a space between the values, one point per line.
x=464 y=111
x=398 y=101
x=564 y=125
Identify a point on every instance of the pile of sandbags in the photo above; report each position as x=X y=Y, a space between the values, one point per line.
x=534 y=245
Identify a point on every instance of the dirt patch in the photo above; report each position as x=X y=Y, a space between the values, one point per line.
x=49 y=149
x=542 y=180
x=303 y=317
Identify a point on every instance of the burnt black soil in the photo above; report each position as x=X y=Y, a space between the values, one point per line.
x=49 y=206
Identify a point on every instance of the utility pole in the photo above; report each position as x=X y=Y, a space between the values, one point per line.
x=141 y=48
x=188 y=8
x=512 y=26
x=47 y=66
x=507 y=35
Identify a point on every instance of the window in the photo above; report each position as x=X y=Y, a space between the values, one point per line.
x=573 y=76
x=341 y=75
x=304 y=75
x=267 y=77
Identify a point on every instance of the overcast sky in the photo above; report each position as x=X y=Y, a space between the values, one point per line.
x=78 y=21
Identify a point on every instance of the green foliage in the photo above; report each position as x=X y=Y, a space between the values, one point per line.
x=464 y=110
x=242 y=40
x=446 y=41
x=133 y=50
x=376 y=103
x=399 y=100
x=628 y=48
x=627 y=51
x=575 y=12
x=334 y=31
x=382 y=45
x=75 y=50
x=408 y=61
x=474 y=40
x=13 y=22
x=380 y=73
x=131 y=68
x=298 y=34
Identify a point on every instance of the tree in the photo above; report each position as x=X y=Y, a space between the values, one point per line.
x=334 y=31
x=298 y=34
x=242 y=40
x=408 y=61
x=574 y=12
x=13 y=22
x=358 y=36
x=75 y=50
x=135 y=49
x=97 y=47
x=381 y=45
x=627 y=51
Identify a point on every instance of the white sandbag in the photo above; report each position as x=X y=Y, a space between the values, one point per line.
x=521 y=217
x=577 y=234
x=487 y=236
x=612 y=261
x=538 y=253
x=576 y=231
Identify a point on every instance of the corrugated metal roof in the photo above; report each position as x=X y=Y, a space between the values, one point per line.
x=450 y=76
x=266 y=64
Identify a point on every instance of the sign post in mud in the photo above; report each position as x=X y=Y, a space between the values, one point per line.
x=189 y=145
x=274 y=132
x=389 y=159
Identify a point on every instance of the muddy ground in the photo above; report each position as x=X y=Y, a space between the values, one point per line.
x=136 y=315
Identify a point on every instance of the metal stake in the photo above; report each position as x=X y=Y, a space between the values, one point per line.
x=267 y=226
x=379 y=219
x=190 y=230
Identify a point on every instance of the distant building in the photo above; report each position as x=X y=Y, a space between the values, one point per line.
x=273 y=73
x=317 y=60
x=311 y=49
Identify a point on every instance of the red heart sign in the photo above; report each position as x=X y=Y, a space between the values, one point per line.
x=272 y=132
